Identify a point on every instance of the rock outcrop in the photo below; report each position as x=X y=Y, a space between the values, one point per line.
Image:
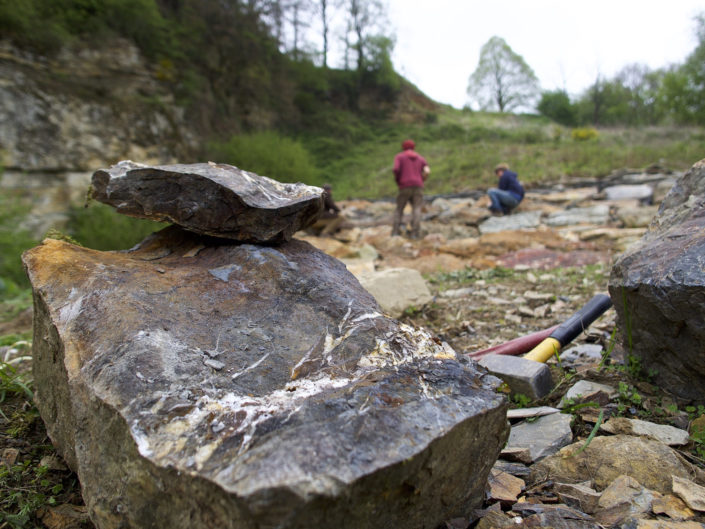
x=63 y=116
x=658 y=290
x=194 y=382
x=211 y=199
x=109 y=106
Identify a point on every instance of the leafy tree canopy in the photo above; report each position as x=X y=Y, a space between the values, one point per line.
x=502 y=80
x=556 y=106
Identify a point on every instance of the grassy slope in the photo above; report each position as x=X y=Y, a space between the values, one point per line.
x=463 y=147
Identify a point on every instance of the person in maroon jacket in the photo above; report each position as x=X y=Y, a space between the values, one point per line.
x=410 y=173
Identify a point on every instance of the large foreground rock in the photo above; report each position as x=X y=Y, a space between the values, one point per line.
x=197 y=384
x=658 y=290
x=210 y=199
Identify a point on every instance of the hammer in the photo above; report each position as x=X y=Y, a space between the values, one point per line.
x=530 y=375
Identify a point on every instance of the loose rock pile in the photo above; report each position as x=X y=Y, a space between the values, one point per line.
x=634 y=473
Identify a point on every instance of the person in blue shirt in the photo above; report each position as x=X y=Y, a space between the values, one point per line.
x=508 y=193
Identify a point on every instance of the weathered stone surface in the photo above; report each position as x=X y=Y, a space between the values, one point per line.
x=586 y=390
x=608 y=457
x=622 y=192
x=658 y=290
x=495 y=520
x=598 y=214
x=586 y=353
x=673 y=507
x=211 y=199
x=543 y=437
x=516 y=221
x=579 y=496
x=691 y=493
x=504 y=487
x=396 y=289
x=320 y=411
x=669 y=435
x=626 y=490
x=666 y=524
x=524 y=413
x=541 y=515
x=46 y=128
x=637 y=217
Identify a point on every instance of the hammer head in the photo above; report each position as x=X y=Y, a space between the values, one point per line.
x=524 y=376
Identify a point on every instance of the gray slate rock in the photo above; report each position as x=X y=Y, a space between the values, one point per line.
x=585 y=390
x=626 y=192
x=543 y=437
x=211 y=199
x=317 y=412
x=598 y=214
x=585 y=353
x=658 y=290
x=515 y=221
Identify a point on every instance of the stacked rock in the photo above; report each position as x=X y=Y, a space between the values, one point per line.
x=201 y=380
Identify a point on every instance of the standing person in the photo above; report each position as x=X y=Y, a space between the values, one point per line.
x=410 y=172
x=508 y=193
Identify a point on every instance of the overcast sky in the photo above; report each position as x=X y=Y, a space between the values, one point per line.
x=567 y=43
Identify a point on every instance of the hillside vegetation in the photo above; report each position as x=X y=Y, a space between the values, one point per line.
x=259 y=104
x=463 y=148
x=285 y=114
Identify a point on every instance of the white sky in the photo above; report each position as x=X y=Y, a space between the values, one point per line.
x=566 y=42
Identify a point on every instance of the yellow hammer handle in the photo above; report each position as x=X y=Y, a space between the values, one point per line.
x=545 y=350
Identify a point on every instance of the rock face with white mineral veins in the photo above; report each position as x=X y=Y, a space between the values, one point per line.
x=211 y=199
x=197 y=383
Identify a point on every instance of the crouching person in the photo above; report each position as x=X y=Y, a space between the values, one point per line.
x=508 y=193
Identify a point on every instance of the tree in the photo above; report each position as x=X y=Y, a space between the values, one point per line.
x=323 y=6
x=299 y=11
x=557 y=107
x=365 y=17
x=502 y=80
x=683 y=90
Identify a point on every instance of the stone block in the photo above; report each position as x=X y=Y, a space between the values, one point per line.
x=523 y=376
x=658 y=290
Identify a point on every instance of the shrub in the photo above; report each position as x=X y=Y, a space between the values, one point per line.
x=267 y=154
x=583 y=134
x=557 y=107
x=102 y=228
x=13 y=241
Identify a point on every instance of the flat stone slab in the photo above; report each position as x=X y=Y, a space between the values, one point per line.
x=626 y=192
x=193 y=384
x=669 y=435
x=515 y=221
x=211 y=199
x=541 y=438
x=585 y=389
x=586 y=353
x=396 y=289
x=525 y=413
x=591 y=215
